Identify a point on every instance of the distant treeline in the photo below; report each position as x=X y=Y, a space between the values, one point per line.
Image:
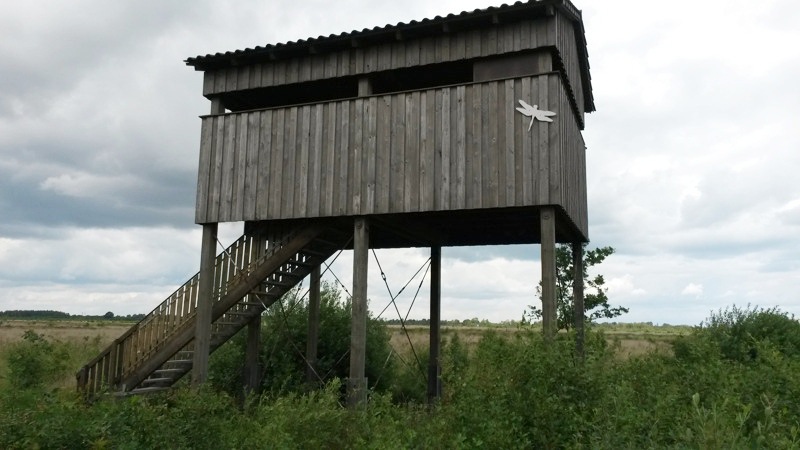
x=48 y=314
x=474 y=322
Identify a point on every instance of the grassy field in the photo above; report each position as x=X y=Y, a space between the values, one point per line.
x=81 y=339
x=632 y=338
x=629 y=339
x=64 y=330
x=733 y=383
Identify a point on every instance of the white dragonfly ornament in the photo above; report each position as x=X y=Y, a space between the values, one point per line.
x=535 y=113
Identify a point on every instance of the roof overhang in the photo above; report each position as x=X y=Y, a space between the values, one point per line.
x=467 y=20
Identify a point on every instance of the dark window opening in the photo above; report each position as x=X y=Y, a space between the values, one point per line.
x=291 y=94
x=399 y=80
x=421 y=77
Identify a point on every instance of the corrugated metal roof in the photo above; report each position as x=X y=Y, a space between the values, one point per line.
x=414 y=28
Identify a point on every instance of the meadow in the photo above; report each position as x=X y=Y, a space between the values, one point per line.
x=733 y=382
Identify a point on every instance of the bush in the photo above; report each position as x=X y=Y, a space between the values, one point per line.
x=283 y=346
x=35 y=361
x=739 y=333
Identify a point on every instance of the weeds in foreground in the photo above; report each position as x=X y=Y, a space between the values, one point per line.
x=505 y=391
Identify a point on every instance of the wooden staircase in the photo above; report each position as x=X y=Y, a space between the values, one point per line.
x=249 y=276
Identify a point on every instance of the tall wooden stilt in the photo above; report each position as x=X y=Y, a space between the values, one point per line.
x=548 y=238
x=252 y=368
x=577 y=292
x=434 y=362
x=357 y=383
x=313 y=327
x=205 y=290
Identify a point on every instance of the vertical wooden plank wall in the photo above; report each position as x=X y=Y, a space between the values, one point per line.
x=462 y=147
x=568 y=52
x=446 y=47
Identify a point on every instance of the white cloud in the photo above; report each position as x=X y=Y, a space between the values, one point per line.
x=693 y=289
x=623 y=287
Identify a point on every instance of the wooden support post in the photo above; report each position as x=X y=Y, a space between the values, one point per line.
x=312 y=377
x=577 y=292
x=434 y=361
x=216 y=106
x=548 y=239
x=252 y=368
x=205 y=289
x=364 y=87
x=357 y=383
x=205 y=302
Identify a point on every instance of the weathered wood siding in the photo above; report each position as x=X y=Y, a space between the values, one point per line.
x=462 y=147
x=568 y=53
x=447 y=47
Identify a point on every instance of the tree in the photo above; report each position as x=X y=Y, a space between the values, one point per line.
x=108 y=315
x=595 y=302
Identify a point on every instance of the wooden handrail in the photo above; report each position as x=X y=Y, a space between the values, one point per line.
x=146 y=337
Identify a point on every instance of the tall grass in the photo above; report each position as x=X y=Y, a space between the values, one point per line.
x=508 y=390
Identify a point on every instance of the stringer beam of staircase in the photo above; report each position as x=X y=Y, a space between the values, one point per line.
x=249 y=276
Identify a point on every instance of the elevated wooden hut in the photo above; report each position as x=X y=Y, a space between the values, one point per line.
x=456 y=130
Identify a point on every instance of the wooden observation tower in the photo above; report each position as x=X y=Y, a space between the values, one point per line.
x=451 y=131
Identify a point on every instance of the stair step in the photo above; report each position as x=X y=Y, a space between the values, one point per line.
x=150 y=381
x=279 y=283
x=168 y=371
x=256 y=304
x=287 y=274
x=240 y=312
x=292 y=274
x=180 y=362
x=301 y=264
x=145 y=390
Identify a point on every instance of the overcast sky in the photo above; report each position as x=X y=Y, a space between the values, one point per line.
x=692 y=154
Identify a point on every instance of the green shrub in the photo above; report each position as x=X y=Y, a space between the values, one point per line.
x=283 y=346
x=741 y=368
x=738 y=332
x=506 y=391
x=35 y=361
